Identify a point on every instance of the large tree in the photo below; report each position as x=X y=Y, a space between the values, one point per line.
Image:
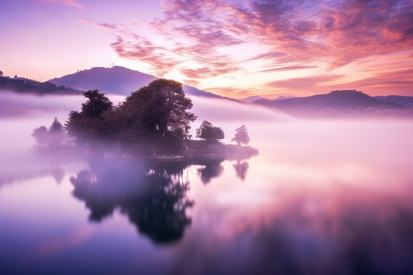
x=87 y=125
x=207 y=131
x=156 y=115
x=241 y=135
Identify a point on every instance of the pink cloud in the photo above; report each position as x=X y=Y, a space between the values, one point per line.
x=298 y=34
x=102 y=25
x=141 y=49
x=72 y=3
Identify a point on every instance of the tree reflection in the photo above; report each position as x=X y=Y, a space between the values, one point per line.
x=151 y=195
x=211 y=168
x=241 y=169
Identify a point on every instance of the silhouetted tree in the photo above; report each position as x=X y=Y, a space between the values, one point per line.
x=1 y=73
x=207 y=131
x=156 y=115
x=54 y=136
x=41 y=135
x=96 y=104
x=56 y=133
x=87 y=124
x=241 y=135
x=152 y=120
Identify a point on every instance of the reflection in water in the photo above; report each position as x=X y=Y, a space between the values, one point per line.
x=309 y=232
x=210 y=169
x=151 y=195
x=58 y=174
x=241 y=169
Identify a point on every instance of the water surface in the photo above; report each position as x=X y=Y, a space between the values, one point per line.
x=322 y=197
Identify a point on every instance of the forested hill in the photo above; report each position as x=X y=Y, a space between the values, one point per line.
x=22 y=85
x=345 y=103
x=117 y=80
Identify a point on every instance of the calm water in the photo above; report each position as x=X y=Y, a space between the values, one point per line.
x=322 y=197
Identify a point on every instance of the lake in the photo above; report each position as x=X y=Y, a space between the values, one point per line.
x=322 y=197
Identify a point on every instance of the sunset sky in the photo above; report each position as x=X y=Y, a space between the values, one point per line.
x=235 y=48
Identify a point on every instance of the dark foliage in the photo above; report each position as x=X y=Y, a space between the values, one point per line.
x=157 y=115
x=207 y=131
x=87 y=125
x=31 y=86
x=153 y=120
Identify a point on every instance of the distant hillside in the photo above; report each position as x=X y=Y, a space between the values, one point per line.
x=284 y=97
x=405 y=100
x=337 y=104
x=252 y=98
x=116 y=80
x=22 y=85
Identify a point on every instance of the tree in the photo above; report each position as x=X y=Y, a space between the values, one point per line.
x=87 y=125
x=207 y=131
x=156 y=115
x=41 y=135
x=56 y=133
x=96 y=104
x=1 y=73
x=52 y=136
x=241 y=135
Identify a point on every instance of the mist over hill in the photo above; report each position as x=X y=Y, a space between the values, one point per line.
x=117 y=80
x=28 y=86
x=344 y=103
x=405 y=100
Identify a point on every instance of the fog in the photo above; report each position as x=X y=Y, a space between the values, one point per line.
x=322 y=196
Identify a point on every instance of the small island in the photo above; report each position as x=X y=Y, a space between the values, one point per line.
x=153 y=122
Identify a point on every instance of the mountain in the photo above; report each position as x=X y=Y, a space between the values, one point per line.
x=251 y=99
x=405 y=100
x=284 y=97
x=117 y=80
x=24 y=85
x=342 y=103
x=254 y=98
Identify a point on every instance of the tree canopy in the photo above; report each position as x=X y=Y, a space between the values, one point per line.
x=87 y=125
x=207 y=131
x=241 y=135
x=154 y=118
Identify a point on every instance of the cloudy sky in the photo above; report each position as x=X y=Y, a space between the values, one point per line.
x=235 y=48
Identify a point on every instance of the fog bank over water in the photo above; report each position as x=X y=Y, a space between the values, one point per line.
x=326 y=195
x=279 y=138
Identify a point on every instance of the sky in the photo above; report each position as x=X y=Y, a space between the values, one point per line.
x=234 y=48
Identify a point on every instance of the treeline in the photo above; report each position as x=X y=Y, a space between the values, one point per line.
x=31 y=86
x=154 y=120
